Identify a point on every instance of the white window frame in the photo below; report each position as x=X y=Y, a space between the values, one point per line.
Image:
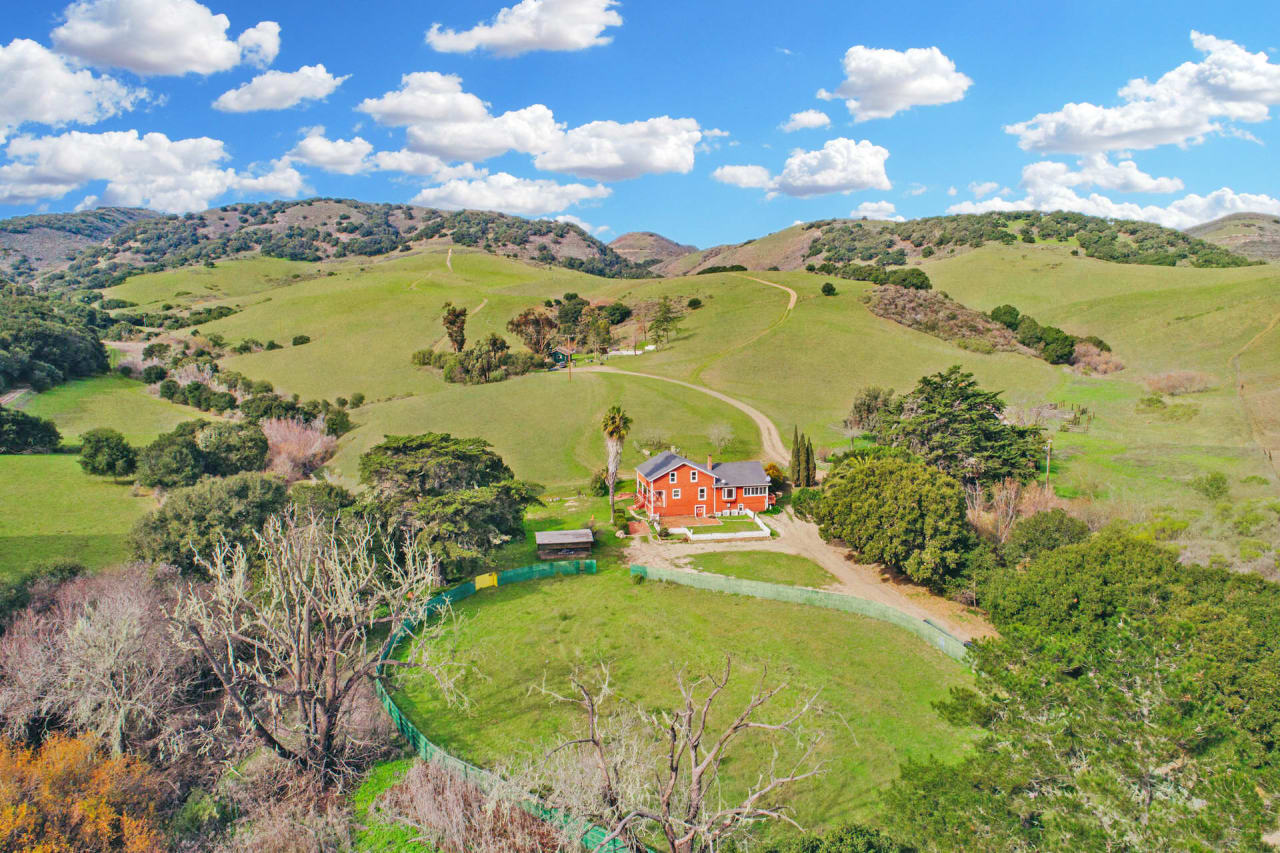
x=728 y=494
x=693 y=475
x=702 y=493
x=675 y=494
x=661 y=497
x=673 y=477
x=754 y=491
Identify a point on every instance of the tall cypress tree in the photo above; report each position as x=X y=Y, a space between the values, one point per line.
x=810 y=468
x=797 y=450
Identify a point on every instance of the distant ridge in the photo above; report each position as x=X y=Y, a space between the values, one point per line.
x=644 y=246
x=31 y=245
x=1254 y=235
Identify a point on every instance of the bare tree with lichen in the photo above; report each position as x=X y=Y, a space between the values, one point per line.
x=291 y=626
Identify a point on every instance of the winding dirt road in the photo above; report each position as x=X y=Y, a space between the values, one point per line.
x=770 y=438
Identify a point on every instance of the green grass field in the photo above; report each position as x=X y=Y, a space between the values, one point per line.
x=765 y=566
x=876 y=682
x=51 y=510
x=107 y=401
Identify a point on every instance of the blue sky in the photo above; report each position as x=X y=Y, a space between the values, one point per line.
x=645 y=116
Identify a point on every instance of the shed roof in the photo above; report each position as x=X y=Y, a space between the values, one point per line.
x=581 y=536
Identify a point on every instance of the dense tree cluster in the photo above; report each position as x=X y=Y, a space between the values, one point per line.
x=198 y=448
x=951 y=423
x=23 y=433
x=1128 y=703
x=488 y=360
x=44 y=341
x=455 y=494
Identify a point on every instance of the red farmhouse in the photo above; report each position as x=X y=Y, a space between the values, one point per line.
x=668 y=484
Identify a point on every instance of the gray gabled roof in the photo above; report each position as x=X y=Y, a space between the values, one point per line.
x=725 y=473
x=740 y=474
x=662 y=463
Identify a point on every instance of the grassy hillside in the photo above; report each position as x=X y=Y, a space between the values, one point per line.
x=801 y=367
x=642 y=246
x=1254 y=235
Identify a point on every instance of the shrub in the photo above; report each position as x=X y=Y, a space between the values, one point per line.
x=169 y=389
x=105 y=453
x=23 y=433
x=1175 y=382
x=67 y=794
x=299 y=340
x=1090 y=358
x=694 y=304
x=849 y=838
x=869 y=405
x=1043 y=532
x=295 y=447
x=1007 y=315
x=17 y=593
x=320 y=498
x=828 y=289
x=907 y=515
x=1213 y=486
x=804 y=501
x=599 y=485
x=357 y=400
x=272 y=345
x=153 y=373
x=231 y=448
x=203 y=517
x=170 y=461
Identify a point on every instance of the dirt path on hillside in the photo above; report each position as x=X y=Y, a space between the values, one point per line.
x=791 y=303
x=770 y=438
x=801 y=539
x=8 y=398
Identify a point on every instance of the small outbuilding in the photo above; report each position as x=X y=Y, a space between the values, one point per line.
x=564 y=544
x=561 y=356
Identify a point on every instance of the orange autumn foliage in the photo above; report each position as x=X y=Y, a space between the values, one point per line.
x=69 y=795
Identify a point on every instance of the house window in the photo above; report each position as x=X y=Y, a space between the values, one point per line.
x=675 y=494
x=693 y=475
x=671 y=478
x=662 y=497
x=754 y=491
x=702 y=493
x=728 y=494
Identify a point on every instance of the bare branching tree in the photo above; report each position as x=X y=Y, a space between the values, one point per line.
x=98 y=657
x=289 y=629
x=640 y=773
x=719 y=435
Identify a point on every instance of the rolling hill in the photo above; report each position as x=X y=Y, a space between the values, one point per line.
x=31 y=245
x=644 y=246
x=1254 y=235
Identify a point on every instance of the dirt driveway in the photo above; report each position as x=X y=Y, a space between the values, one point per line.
x=801 y=539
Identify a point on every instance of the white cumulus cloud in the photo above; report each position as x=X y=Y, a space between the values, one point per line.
x=534 y=25
x=160 y=37
x=877 y=210
x=610 y=151
x=749 y=177
x=343 y=156
x=1049 y=186
x=151 y=170
x=805 y=120
x=445 y=121
x=839 y=166
x=880 y=83
x=279 y=90
x=507 y=193
x=1181 y=107
x=984 y=188
x=40 y=87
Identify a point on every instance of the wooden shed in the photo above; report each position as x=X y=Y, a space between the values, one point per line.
x=564 y=544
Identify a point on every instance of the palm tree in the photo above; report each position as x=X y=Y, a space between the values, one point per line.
x=616 y=425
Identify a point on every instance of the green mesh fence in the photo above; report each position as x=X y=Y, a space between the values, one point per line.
x=922 y=628
x=593 y=837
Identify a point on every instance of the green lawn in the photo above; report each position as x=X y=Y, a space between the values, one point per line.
x=876 y=681
x=766 y=566
x=51 y=510
x=112 y=401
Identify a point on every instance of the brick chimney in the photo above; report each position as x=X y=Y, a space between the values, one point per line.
x=710 y=470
